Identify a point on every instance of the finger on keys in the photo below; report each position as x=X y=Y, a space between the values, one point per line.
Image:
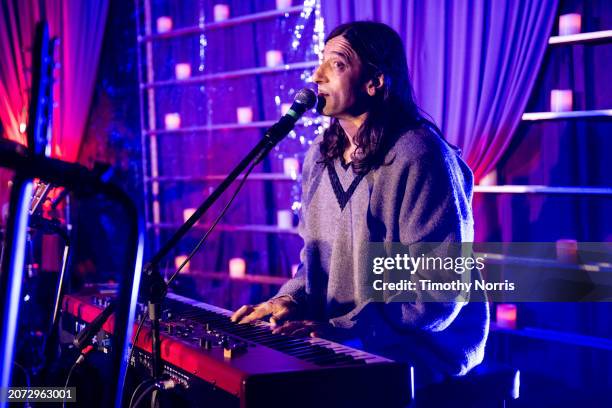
x=241 y=312
x=301 y=332
x=281 y=315
x=287 y=327
x=259 y=312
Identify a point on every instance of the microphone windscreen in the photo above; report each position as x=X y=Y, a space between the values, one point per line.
x=306 y=97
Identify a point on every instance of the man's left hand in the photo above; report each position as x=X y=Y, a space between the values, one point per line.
x=306 y=328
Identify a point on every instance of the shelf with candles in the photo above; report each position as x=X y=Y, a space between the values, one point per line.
x=230 y=22
x=195 y=80
x=256 y=279
x=604 y=36
x=499 y=189
x=231 y=126
x=523 y=261
x=220 y=177
x=291 y=172
x=266 y=229
x=534 y=189
x=574 y=339
x=585 y=114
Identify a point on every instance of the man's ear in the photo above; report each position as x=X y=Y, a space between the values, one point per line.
x=375 y=84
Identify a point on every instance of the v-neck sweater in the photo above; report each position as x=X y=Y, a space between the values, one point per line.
x=422 y=193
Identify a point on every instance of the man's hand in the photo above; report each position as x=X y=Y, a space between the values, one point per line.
x=308 y=328
x=279 y=309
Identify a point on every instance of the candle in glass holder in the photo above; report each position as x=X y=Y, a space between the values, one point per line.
x=221 y=12
x=291 y=167
x=187 y=213
x=178 y=261
x=237 y=268
x=164 y=24
x=172 y=121
x=569 y=24
x=274 y=58
x=283 y=4
x=182 y=70
x=490 y=179
x=284 y=219
x=567 y=250
x=506 y=315
x=561 y=100
x=244 y=114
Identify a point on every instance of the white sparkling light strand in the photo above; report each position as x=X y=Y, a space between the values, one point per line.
x=318 y=38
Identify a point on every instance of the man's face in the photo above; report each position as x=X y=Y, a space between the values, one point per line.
x=339 y=81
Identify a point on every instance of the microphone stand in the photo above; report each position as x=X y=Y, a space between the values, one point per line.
x=155 y=287
x=154 y=282
x=54 y=226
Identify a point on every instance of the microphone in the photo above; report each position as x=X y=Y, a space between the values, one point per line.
x=85 y=335
x=304 y=100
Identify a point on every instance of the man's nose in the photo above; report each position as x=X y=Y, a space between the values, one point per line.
x=318 y=76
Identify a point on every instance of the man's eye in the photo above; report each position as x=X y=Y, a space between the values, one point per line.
x=338 y=64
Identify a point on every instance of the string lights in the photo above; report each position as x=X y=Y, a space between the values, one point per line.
x=310 y=16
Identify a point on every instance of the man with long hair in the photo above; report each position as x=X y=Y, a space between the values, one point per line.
x=381 y=172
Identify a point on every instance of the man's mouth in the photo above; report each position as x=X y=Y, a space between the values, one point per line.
x=320 y=102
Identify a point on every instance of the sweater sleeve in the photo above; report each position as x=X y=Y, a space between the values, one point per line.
x=435 y=194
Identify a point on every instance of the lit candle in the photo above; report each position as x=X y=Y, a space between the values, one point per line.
x=221 y=12
x=567 y=250
x=284 y=219
x=285 y=108
x=164 y=24
x=182 y=70
x=561 y=100
x=569 y=24
x=187 y=213
x=172 y=121
x=237 y=268
x=291 y=167
x=506 y=315
x=274 y=58
x=244 y=114
x=283 y=4
x=178 y=261
x=490 y=179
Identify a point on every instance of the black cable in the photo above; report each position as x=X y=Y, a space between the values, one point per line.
x=131 y=354
x=144 y=383
x=76 y=363
x=144 y=394
x=25 y=372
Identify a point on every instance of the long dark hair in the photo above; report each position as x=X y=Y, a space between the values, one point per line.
x=380 y=50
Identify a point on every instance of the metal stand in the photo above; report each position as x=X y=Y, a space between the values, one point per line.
x=84 y=182
x=11 y=275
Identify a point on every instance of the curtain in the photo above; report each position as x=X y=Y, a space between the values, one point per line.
x=473 y=63
x=80 y=27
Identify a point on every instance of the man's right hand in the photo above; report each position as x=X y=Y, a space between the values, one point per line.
x=279 y=309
